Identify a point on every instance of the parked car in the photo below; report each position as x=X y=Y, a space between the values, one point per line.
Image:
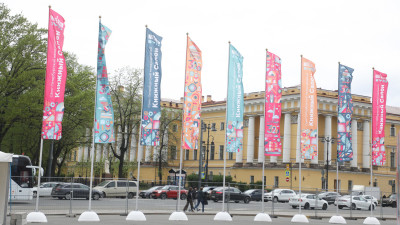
x=308 y=201
x=279 y=195
x=169 y=191
x=117 y=188
x=208 y=190
x=45 y=189
x=147 y=193
x=390 y=201
x=63 y=191
x=330 y=197
x=355 y=202
x=231 y=194
x=255 y=194
x=368 y=197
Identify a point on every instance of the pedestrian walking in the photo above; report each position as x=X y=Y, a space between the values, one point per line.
x=194 y=195
x=189 y=200
x=201 y=198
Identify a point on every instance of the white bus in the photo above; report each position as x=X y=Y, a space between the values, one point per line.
x=21 y=182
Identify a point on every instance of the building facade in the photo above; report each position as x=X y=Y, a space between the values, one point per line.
x=246 y=166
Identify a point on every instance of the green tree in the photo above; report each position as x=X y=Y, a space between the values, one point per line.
x=126 y=91
x=22 y=72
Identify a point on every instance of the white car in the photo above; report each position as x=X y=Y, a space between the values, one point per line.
x=355 y=202
x=279 y=195
x=368 y=197
x=45 y=189
x=308 y=201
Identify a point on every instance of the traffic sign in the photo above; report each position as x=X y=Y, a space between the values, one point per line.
x=287 y=179
x=287 y=173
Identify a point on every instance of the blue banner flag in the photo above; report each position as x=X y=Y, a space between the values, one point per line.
x=104 y=118
x=151 y=110
x=234 y=105
x=345 y=112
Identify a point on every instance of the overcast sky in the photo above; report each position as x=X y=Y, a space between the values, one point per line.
x=360 y=34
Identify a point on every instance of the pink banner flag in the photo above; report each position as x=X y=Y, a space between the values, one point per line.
x=273 y=94
x=379 y=91
x=56 y=75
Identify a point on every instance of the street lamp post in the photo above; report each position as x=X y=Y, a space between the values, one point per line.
x=208 y=127
x=328 y=141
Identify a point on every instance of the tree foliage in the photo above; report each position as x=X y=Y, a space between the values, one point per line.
x=126 y=91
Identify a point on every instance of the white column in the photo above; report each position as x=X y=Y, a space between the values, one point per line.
x=98 y=152
x=140 y=152
x=147 y=156
x=328 y=134
x=261 y=140
x=155 y=153
x=132 y=151
x=105 y=152
x=298 y=141
x=366 y=145
x=354 y=162
x=250 y=140
x=287 y=138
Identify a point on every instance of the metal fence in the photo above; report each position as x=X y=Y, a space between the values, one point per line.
x=72 y=199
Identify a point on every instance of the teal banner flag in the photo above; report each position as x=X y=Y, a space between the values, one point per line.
x=234 y=105
x=104 y=118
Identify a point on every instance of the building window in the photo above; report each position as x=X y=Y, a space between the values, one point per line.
x=211 y=176
x=294 y=119
x=222 y=126
x=246 y=123
x=251 y=179
x=392 y=130
x=186 y=154
x=230 y=155
x=74 y=155
x=174 y=128
x=350 y=185
x=276 y=182
x=173 y=152
x=265 y=180
x=392 y=158
x=375 y=183
x=221 y=152
x=195 y=154
x=213 y=127
x=212 y=152
x=360 y=126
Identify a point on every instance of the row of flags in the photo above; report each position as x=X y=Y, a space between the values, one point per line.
x=56 y=74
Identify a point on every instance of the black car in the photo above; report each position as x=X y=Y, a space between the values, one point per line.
x=147 y=193
x=330 y=197
x=255 y=194
x=63 y=191
x=231 y=194
x=390 y=201
x=208 y=190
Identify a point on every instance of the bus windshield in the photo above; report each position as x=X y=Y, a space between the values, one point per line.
x=19 y=173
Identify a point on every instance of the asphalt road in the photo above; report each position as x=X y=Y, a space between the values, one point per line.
x=117 y=206
x=195 y=219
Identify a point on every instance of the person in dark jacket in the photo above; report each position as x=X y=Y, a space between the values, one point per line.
x=194 y=195
x=189 y=200
x=201 y=198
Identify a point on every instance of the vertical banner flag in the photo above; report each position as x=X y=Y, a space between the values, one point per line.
x=56 y=75
x=192 y=97
x=151 y=109
x=235 y=105
x=345 y=113
x=104 y=119
x=379 y=89
x=272 y=112
x=309 y=114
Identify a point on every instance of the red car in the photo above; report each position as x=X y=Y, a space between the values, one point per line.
x=170 y=191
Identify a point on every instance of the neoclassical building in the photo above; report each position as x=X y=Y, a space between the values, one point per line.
x=246 y=166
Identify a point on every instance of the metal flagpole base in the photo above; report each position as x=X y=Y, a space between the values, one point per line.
x=371 y=220
x=136 y=216
x=181 y=216
x=299 y=218
x=337 y=219
x=262 y=217
x=36 y=217
x=223 y=216
x=88 y=216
